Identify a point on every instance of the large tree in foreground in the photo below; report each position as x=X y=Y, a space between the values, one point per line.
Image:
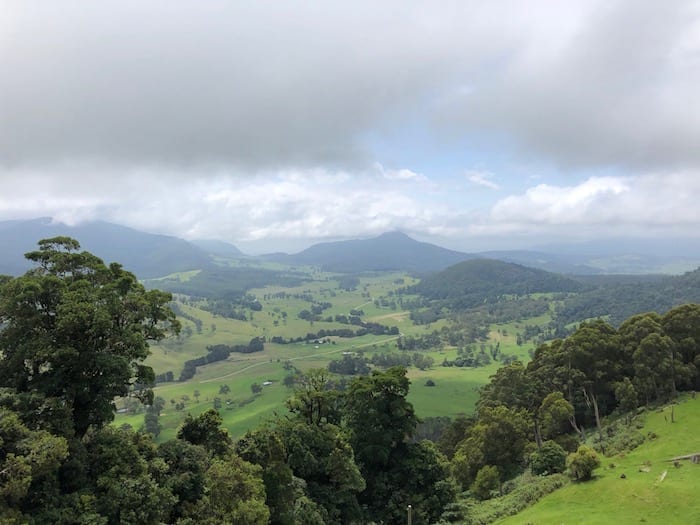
x=74 y=332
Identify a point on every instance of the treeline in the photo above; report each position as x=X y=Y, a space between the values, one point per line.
x=365 y=328
x=229 y=284
x=219 y=352
x=233 y=309
x=175 y=307
x=358 y=364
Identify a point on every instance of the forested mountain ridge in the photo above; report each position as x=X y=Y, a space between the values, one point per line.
x=617 y=302
x=474 y=282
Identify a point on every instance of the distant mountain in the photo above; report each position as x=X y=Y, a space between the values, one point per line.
x=145 y=254
x=389 y=251
x=551 y=262
x=474 y=282
x=631 y=255
x=221 y=248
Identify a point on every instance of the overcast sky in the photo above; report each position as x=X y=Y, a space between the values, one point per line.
x=273 y=125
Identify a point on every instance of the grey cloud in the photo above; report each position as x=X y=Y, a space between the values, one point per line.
x=620 y=90
x=251 y=84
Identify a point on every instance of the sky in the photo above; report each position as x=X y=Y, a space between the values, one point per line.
x=276 y=124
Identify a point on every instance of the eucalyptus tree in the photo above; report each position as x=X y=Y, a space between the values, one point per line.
x=76 y=332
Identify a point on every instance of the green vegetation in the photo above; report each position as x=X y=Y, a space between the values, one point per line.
x=74 y=334
x=297 y=395
x=643 y=485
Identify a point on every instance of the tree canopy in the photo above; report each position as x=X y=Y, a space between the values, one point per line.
x=76 y=331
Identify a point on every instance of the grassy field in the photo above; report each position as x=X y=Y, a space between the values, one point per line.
x=653 y=490
x=455 y=391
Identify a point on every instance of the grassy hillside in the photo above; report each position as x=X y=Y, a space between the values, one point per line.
x=653 y=489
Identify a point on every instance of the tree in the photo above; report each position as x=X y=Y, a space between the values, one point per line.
x=626 y=396
x=397 y=473
x=205 y=430
x=379 y=416
x=323 y=458
x=26 y=456
x=653 y=364
x=549 y=459
x=234 y=493
x=265 y=447
x=498 y=438
x=256 y=388
x=122 y=477
x=314 y=399
x=77 y=331
x=185 y=475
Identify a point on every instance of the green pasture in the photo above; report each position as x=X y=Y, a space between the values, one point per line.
x=455 y=391
x=652 y=491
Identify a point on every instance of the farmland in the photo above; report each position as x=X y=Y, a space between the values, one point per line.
x=228 y=384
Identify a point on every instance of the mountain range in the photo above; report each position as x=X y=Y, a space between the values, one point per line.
x=147 y=255
x=152 y=255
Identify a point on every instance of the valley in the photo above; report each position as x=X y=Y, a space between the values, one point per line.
x=478 y=370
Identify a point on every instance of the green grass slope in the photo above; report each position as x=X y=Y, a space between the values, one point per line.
x=653 y=489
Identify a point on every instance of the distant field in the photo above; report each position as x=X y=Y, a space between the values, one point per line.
x=455 y=391
x=663 y=494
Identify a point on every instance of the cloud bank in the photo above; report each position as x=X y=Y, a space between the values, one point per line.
x=276 y=121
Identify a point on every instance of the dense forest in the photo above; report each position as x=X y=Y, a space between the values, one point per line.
x=75 y=335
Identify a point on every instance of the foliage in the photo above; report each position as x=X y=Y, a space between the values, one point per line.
x=522 y=497
x=77 y=331
x=487 y=480
x=26 y=456
x=205 y=430
x=470 y=283
x=234 y=493
x=498 y=438
x=581 y=464
x=550 y=458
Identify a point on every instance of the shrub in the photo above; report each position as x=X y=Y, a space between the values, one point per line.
x=582 y=463
x=483 y=513
x=549 y=459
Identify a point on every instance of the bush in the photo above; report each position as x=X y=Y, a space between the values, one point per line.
x=582 y=463
x=487 y=480
x=549 y=459
x=483 y=513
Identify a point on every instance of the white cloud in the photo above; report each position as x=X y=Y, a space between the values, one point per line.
x=405 y=175
x=600 y=206
x=482 y=178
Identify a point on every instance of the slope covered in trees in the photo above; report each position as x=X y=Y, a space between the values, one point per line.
x=617 y=300
x=471 y=283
